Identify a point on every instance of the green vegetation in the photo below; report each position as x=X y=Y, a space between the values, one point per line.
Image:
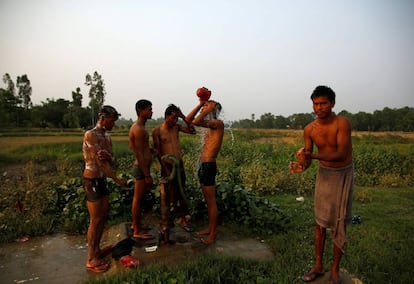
x=40 y=179
x=378 y=250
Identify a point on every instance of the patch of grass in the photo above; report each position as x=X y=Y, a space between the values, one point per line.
x=379 y=250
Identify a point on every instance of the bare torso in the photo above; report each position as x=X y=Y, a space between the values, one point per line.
x=139 y=144
x=212 y=141
x=95 y=140
x=332 y=137
x=168 y=141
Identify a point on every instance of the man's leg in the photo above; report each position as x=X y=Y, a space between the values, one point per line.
x=334 y=273
x=98 y=212
x=319 y=243
x=139 y=189
x=210 y=197
x=319 y=239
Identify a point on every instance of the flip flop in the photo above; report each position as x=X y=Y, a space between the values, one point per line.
x=105 y=251
x=130 y=261
x=98 y=268
x=143 y=237
x=313 y=276
x=187 y=228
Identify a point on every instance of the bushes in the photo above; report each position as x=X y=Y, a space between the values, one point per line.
x=249 y=166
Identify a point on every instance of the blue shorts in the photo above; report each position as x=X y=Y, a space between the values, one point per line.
x=95 y=188
x=207 y=173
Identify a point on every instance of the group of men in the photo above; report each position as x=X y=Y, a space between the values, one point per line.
x=330 y=133
x=98 y=155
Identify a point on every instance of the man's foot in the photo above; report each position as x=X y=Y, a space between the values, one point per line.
x=104 y=251
x=208 y=241
x=97 y=267
x=311 y=276
x=203 y=232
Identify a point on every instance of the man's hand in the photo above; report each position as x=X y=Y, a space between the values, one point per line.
x=104 y=155
x=295 y=167
x=303 y=161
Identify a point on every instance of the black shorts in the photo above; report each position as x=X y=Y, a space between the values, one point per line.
x=207 y=173
x=95 y=188
x=137 y=173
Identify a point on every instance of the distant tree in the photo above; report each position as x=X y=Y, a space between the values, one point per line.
x=77 y=98
x=363 y=121
x=243 y=123
x=9 y=103
x=96 y=93
x=52 y=113
x=266 y=121
x=9 y=84
x=24 y=91
x=281 y=122
x=300 y=120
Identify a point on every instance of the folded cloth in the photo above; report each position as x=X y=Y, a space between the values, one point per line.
x=122 y=248
x=333 y=200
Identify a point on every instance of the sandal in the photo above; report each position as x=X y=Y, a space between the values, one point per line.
x=98 y=268
x=312 y=276
x=143 y=237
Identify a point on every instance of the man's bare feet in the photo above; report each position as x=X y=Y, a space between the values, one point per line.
x=209 y=240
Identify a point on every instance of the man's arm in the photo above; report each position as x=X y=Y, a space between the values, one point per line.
x=190 y=117
x=137 y=141
x=303 y=154
x=157 y=142
x=104 y=158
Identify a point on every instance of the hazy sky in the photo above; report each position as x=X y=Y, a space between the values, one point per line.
x=256 y=56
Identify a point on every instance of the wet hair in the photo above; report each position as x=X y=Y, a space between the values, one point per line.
x=142 y=104
x=323 y=91
x=107 y=111
x=217 y=110
x=170 y=110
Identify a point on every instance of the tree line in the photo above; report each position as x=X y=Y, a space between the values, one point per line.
x=387 y=119
x=17 y=110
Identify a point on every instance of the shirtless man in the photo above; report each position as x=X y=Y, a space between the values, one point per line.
x=208 y=168
x=139 y=144
x=334 y=183
x=166 y=142
x=98 y=156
